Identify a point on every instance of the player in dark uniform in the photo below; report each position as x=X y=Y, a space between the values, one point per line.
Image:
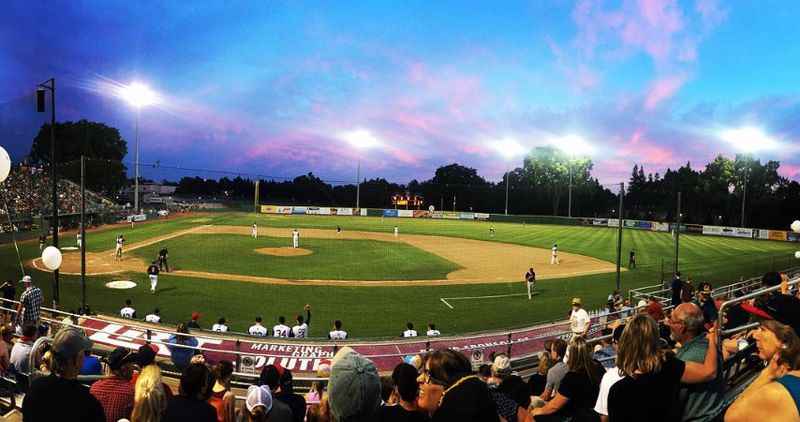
x=530 y=282
x=338 y=229
x=163 y=254
x=152 y=273
x=632 y=259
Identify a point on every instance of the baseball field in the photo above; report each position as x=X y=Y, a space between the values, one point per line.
x=454 y=273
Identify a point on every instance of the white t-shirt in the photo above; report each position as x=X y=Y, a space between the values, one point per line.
x=579 y=321
x=153 y=318
x=257 y=330
x=222 y=328
x=127 y=312
x=337 y=335
x=410 y=333
x=280 y=330
x=609 y=379
x=555 y=250
x=432 y=333
x=300 y=331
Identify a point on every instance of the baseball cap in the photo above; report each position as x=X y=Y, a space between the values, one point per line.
x=354 y=388
x=576 y=301
x=69 y=342
x=501 y=365
x=120 y=357
x=782 y=308
x=258 y=396
x=26 y=279
x=147 y=354
x=195 y=315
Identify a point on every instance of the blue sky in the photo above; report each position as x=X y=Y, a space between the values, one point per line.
x=276 y=87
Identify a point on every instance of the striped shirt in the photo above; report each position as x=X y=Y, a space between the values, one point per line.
x=31 y=300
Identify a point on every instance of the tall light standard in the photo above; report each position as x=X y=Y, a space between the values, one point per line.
x=138 y=95
x=360 y=139
x=573 y=146
x=50 y=85
x=508 y=149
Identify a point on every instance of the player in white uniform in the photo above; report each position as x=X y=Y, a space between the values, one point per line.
x=554 y=257
x=410 y=331
x=118 y=249
x=432 y=331
x=79 y=239
x=396 y=231
x=295 y=238
x=281 y=329
x=300 y=330
x=152 y=273
x=220 y=326
x=127 y=311
x=530 y=281
x=154 y=318
x=254 y=232
x=257 y=329
x=337 y=333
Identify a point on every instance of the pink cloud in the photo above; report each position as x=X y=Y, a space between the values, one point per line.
x=645 y=151
x=663 y=89
x=790 y=171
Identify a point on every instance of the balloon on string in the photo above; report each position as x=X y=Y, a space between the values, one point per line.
x=5 y=165
x=797 y=254
x=796 y=226
x=51 y=258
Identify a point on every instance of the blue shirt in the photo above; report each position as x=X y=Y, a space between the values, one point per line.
x=181 y=356
x=91 y=366
x=701 y=402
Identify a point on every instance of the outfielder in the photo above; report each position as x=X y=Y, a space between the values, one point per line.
x=152 y=272
x=396 y=231
x=295 y=238
x=491 y=231
x=254 y=232
x=118 y=249
x=530 y=281
x=554 y=258
x=79 y=239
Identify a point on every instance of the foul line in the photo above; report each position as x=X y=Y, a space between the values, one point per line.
x=445 y=299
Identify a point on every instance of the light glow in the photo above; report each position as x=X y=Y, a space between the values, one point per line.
x=508 y=148
x=360 y=138
x=573 y=145
x=748 y=139
x=137 y=94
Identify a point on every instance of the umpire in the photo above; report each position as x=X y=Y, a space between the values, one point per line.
x=163 y=254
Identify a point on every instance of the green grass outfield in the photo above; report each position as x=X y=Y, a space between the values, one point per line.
x=383 y=311
x=332 y=259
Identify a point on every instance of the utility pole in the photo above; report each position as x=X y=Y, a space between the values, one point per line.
x=569 y=203
x=619 y=235
x=358 y=185
x=506 y=193
x=454 y=203
x=83 y=232
x=744 y=193
x=50 y=85
x=677 y=233
x=256 y=199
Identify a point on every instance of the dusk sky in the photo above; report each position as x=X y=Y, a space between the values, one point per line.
x=275 y=88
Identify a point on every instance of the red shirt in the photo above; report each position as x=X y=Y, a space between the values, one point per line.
x=116 y=396
x=655 y=310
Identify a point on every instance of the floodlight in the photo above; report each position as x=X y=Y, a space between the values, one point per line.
x=748 y=139
x=508 y=148
x=138 y=94
x=573 y=145
x=359 y=138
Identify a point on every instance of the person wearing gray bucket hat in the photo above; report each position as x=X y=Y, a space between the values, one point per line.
x=354 y=389
x=59 y=396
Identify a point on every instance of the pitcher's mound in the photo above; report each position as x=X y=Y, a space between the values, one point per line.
x=285 y=251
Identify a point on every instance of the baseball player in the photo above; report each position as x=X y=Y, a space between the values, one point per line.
x=281 y=329
x=530 y=281
x=254 y=232
x=337 y=333
x=338 y=229
x=42 y=240
x=491 y=231
x=118 y=249
x=127 y=311
x=396 y=231
x=632 y=259
x=257 y=329
x=554 y=258
x=79 y=239
x=410 y=331
x=301 y=329
x=163 y=254
x=295 y=238
x=152 y=272
x=154 y=318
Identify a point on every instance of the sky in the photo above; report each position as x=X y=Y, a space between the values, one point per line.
x=278 y=88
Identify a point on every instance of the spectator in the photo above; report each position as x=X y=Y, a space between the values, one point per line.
x=464 y=396
x=432 y=331
x=222 y=398
x=194 y=323
x=281 y=329
x=22 y=349
x=653 y=376
x=579 y=320
x=220 y=326
x=257 y=406
x=410 y=331
x=127 y=311
x=707 y=304
x=150 y=398
x=501 y=368
x=59 y=396
x=557 y=372
x=677 y=289
x=300 y=330
x=654 y=309
x=485 y=372
x=147 y=357
x=91 y=364
x=387 y=391
x=9 y=294
x=115 y=393
x=181 y=347
x=699 y=402
x=257 y=329
x=605 y=352
x=286 y=394
x=406 y=390
x=354 y=388
x=154 y=318
x=538 y=380
x=337 y=333
x=779 y=305
x=610 y=378
x=271 y=377
x=6 y=335
x=515 y=388
x=577 y=393
x=191 y=404
x=30 y=302
x=315 y=392
x=773 y=394
x=687 y=291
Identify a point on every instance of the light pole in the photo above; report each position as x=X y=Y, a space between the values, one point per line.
x=509 y=149
x=569 y=195
x=506 y=193
x=572 y=145
x=360 y=139
x=744 y=193
x=50 y=85
x=137 y=95
x=358 y=185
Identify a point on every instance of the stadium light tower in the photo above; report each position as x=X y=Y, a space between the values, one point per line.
x=360 y=139
x=138 y=95
x=749 y=140
x=508 y=149
x=572 y=145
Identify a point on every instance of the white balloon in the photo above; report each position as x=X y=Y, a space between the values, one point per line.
x=797 y=254
x=5 y=165
x=51 y=258
x=796 y=226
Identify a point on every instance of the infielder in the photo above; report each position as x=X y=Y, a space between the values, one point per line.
x=396 y=231
x=152 y=272
x=554 y=258
x=295 y=238
x=491 y=231
x=118 y=249
x=530 y=281
x=254 y=232
x=79 y=239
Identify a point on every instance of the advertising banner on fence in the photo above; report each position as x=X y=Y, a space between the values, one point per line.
x=728 y=231
x=613 y=222
x=778 y=235
x=137 y=217
x=299 y=210
x=646 y=225
x=631 y=224
x=763 y=234
x=793 y=237
x=405 y=213
x=437 y=214
x=390 y=213
x=345 y=211
x=600 y=222
x=466 y=216
x=422 y=214
x=659 y=227
x=481 y=216
x=312 y=210
x=450 y=215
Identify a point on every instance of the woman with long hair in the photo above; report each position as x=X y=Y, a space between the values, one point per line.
x=222 y=398
x=652 y=374
x=578 y=391
x=149 y=400
x=463 y=396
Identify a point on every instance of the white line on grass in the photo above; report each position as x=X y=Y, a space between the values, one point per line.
x=445 y=302
x=445 y=299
